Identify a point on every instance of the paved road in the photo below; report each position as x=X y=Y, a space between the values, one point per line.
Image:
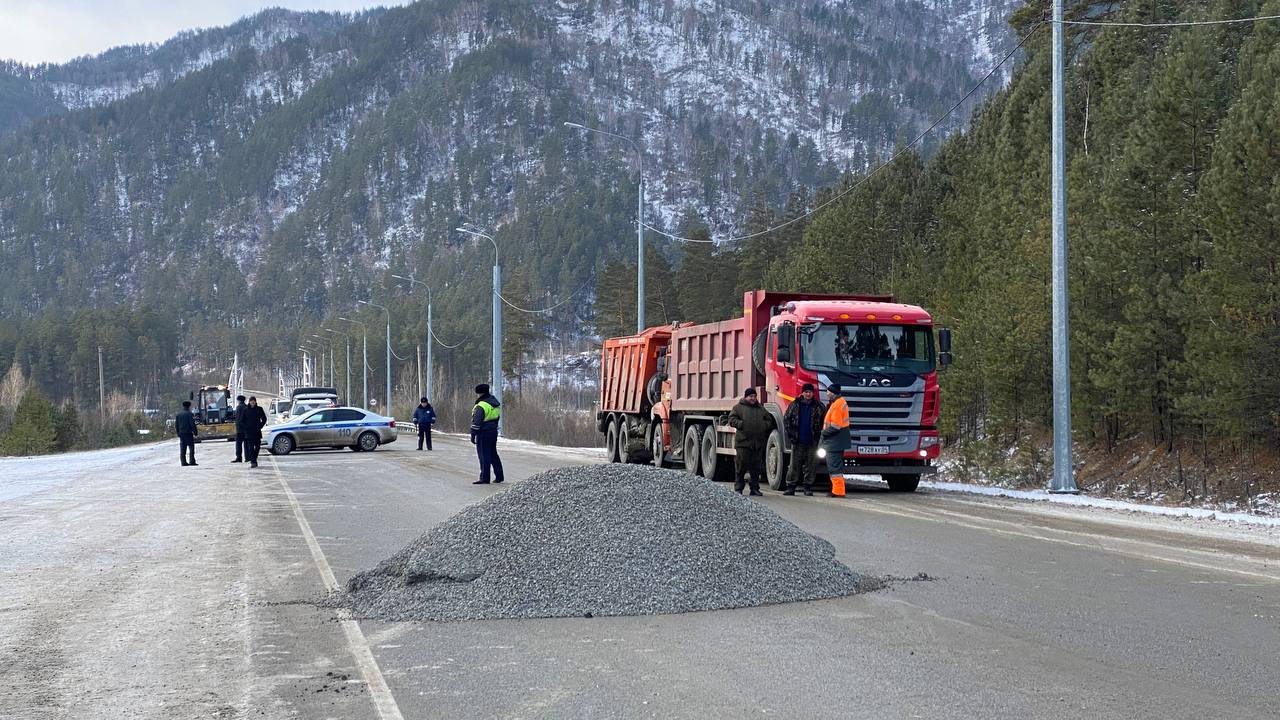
x=132 y=588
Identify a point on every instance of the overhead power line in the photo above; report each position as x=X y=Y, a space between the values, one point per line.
x=902 y=151
x=1187 y=23
x=569 y=297
x=443 y=344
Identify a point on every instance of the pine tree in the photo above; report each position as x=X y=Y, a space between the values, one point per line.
x=32 y=431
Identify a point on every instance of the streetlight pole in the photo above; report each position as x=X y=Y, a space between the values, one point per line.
x=430 y=333
x=348 y=364
x=1064 y=480
x=333 y=378
x=639 y=220
x=387 y=406
x=496 y=370
x=365 y=374
x=306 y=367
x=318 y=356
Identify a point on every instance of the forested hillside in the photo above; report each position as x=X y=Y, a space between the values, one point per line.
x=1174 y=192
x=263 y=178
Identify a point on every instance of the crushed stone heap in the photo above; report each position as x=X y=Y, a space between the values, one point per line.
x=601 y=540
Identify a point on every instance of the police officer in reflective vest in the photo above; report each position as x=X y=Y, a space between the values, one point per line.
x=484 y=434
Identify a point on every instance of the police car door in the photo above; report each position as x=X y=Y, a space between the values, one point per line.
x=316 y=430
x=346 y=423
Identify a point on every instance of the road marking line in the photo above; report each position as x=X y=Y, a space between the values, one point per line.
x=383 y=701
x=1099 y=543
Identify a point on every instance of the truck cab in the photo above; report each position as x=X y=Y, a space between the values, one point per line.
x=882 y=354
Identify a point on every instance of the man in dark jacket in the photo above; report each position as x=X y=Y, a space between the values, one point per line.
x=242 y=429
x=185 y=424
x=753 y=424
x=424 y=416
x=484 y=434
x=255 y=418
x=804 y=429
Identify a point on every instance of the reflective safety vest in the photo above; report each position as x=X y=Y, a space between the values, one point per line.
x=837 y=414
x=492 y=413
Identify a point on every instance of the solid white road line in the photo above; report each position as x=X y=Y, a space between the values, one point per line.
x=1143 y=549
x=383 y=701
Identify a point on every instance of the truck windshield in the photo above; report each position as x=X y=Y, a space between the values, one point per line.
x=852 y=348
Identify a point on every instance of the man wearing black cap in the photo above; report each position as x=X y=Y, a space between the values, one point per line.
x=753 y=424
x=804 y=428
x=242 y=428
x=484 y=434
x=255 y=418
x=424 y=416
x=184 y=423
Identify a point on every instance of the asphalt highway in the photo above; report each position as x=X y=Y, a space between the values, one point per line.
x=133 y=588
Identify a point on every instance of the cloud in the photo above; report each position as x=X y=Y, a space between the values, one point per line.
x=36 y=31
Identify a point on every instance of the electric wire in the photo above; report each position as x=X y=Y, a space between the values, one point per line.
x=443 y=344
x=1185 y=23
x=538 y=311
x=860 y=181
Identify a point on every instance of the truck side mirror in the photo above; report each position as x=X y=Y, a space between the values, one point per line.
x=944 y=346
x=784 y=354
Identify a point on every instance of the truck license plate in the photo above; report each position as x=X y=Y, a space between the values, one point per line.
x=873 y=449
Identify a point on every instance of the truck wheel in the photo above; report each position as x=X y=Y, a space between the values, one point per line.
x=775 y=461
x=283 y=445
x=655 y=444
x=715 y=467
x=692 y=450
x=903 y=483
x=611 y=441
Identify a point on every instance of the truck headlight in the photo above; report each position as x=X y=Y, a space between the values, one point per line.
x=928 y=441
x=822 y=452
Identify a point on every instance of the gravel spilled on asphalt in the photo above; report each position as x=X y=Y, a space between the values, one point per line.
x=601 y=540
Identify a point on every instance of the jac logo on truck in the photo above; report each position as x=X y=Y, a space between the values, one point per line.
x=873 y=382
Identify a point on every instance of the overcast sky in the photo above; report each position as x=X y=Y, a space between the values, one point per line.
x=35 y=31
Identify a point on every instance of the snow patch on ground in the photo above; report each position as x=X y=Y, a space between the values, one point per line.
x=1108 y=504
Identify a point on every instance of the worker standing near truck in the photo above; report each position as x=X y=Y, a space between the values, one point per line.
x=753 y=425
x=484 y=434
x=835 y=437
x=804 y=420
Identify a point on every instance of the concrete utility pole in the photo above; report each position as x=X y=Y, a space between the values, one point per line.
x=365 y=343
x=420 y=370
x=496 y=381
x=430 y=338
x=639 y=219
x=386 y=402
x=102 y=388
x=346 y=398
x=1064 y=480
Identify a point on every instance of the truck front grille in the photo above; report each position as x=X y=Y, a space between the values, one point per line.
x=875 y=407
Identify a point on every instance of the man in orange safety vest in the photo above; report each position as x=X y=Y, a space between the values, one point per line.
x=835 y=437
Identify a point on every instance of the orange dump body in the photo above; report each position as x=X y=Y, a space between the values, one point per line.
x=626 y=365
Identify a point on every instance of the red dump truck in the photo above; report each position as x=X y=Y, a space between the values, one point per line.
x=665 y=393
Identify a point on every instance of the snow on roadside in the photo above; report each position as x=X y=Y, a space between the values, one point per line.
x=1103 y=503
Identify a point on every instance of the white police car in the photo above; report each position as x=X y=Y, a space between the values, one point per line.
x=331 y=428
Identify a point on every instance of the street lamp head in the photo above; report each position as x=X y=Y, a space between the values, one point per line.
x=575 y=125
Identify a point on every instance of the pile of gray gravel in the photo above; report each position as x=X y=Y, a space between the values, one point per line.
x=601 y=540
